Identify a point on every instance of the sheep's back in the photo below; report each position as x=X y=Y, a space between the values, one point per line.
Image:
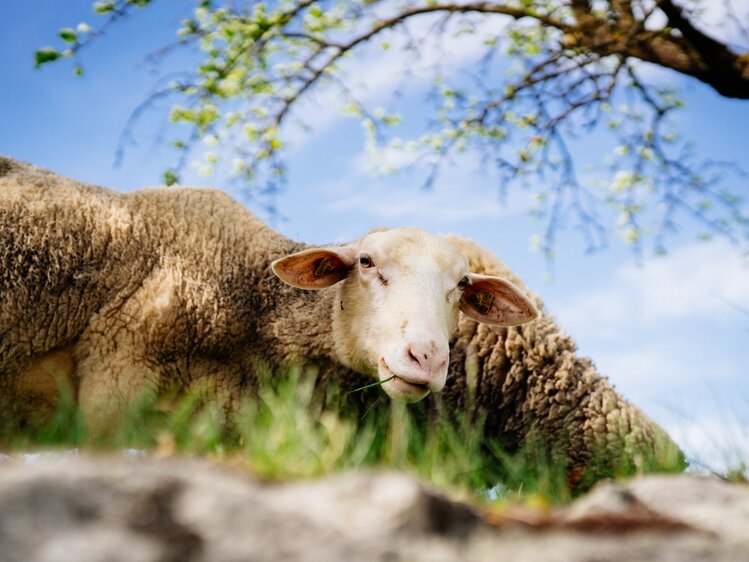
x=63 y=247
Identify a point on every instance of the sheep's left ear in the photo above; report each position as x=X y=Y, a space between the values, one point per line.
x=495 y=301
x=315 y=268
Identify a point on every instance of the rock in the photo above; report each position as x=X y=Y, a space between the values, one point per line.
x=130 y=509
x=706 y=503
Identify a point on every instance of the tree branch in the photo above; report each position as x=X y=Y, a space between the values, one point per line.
x=693 y=53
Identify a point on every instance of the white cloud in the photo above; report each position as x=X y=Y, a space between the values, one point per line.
x=711 y=442
x=385 y=158
x=694 y=283
x=665 y=335
x=665 y=370
x=455 y=197
x=460 y=193
x=441 y=207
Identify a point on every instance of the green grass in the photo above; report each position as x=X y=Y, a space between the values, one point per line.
x=288 y=431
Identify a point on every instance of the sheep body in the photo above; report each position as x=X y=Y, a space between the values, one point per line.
x=122 y=294
x=133 y=291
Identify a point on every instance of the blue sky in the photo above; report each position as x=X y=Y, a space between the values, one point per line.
x=667 y=332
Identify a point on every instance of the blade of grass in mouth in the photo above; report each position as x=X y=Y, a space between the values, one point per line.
x=378 y=383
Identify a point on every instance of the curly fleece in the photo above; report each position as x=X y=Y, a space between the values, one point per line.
x=531 y=376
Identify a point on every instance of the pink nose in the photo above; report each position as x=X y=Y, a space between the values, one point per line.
x=430 y=357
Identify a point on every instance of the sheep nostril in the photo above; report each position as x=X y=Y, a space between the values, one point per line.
x=413 y=357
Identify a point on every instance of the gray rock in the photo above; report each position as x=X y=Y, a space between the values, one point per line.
x=123 y=509
x=706 y=503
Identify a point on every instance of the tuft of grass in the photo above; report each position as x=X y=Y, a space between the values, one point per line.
x=289 y=430
x=378 y=383
x=65 y=427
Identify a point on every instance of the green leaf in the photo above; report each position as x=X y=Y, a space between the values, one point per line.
x=170 y=177
x=68 y=35
x=104 y=7
x=78 y=70
x=352 y=109
x=45 y=55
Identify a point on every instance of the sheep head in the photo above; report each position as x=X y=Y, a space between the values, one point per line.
x=398 y=296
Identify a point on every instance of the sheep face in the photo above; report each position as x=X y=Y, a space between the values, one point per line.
x=398 y=296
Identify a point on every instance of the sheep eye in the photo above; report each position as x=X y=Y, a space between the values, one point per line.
x=366 y=261
x=463 y=282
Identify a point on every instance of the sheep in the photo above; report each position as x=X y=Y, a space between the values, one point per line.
x=117 y=295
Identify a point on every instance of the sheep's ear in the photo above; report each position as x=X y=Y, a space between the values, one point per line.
x=316 y=268
x=495 y=301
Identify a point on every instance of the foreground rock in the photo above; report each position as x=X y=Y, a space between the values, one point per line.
x=136 y=510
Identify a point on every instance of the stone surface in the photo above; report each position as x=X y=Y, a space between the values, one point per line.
x=132 y=509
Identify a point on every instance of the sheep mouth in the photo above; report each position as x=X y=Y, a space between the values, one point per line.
x=404 y=383
x=403 y=388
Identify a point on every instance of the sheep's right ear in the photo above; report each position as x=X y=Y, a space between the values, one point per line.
x=316 y=268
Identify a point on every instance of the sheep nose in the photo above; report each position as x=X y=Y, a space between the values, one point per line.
x=430 y=357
